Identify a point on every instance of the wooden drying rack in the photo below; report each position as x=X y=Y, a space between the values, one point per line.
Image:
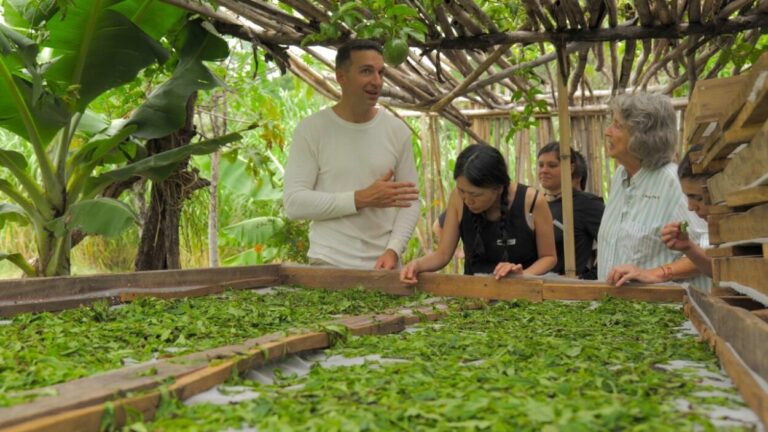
x=80 y=405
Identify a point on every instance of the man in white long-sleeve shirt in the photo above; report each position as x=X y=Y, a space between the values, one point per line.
x=351 y=171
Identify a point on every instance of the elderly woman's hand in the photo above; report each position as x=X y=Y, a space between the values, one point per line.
x=627 y=272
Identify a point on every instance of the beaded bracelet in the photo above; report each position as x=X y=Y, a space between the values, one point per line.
x=666 y=271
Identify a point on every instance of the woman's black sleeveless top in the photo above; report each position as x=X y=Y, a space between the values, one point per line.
x=521 y=241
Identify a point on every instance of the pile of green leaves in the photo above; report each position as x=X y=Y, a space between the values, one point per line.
x=514 y=366
x=48 y=348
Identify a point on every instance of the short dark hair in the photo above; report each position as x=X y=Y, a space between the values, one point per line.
x=685 y=168
x=345 y=51
x=580 y=170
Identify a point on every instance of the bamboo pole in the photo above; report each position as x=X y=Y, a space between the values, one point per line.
x=424 y=138
x=565 y=163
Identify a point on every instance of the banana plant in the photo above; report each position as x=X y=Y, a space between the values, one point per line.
x=56 y=58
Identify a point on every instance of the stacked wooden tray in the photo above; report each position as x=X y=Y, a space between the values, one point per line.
x=733 y=132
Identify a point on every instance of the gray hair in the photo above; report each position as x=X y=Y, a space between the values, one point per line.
x=652 y=124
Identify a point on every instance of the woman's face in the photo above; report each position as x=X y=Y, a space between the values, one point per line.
x=694 y=191
x=478 y=199
x=617 y=138
x=549 y=171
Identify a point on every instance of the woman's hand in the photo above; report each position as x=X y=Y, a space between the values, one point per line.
x=627 y=272
x=409 y=272
x=504 y=268
x=676 y=238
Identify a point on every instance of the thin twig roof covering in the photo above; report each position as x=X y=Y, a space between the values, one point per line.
x=664 y=44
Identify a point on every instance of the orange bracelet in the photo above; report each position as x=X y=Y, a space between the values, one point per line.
x=666 y=272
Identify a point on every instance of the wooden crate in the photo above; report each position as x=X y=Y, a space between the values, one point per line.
x=713 y=104
x=745 y=175
x=754 y=111
x=748 y=120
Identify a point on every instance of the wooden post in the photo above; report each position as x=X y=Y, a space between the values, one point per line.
x=425 y=164
x=565 y=163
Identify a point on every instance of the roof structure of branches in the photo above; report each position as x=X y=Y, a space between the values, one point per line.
x=467 y=57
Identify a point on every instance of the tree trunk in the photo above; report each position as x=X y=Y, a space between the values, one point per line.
x=159 y=245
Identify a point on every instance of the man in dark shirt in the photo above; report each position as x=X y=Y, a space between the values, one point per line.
x=587 y=208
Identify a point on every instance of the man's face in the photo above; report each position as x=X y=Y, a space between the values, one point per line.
x=362 y=79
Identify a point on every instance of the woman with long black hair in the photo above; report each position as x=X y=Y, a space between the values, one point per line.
x=496 y=220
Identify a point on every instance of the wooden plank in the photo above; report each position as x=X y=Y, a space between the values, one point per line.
x=762 y=314
x=748 y=197
x=718 y=209
x=182 y=292
x=742 y=329
x=751 y=273
x=483 y=287
x=64 y=286
x=748 y=225
x=439 y=284
x=662 y=293
x=713 y=224
x=9 y=308
x=335 y=278
x=184 y=387
x=742 y=301
x=755 y=109
x=731 y=356
x=747 y=168
x=718 y=291
x=708 y=109
x=96 y=389
x=735 y=251
x=714 y=167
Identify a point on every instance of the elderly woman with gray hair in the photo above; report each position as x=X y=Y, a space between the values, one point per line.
x=645 y=195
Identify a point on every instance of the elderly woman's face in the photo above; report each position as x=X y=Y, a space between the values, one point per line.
x=617 y=137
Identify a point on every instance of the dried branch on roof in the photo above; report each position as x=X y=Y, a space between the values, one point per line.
x=466 y=57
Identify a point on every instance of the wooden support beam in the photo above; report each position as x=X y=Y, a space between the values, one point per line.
x=566 y=189
x=487 y=40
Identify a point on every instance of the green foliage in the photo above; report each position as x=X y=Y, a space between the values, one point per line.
x=12 y=213
x=394 y=21
x=47 y=348
x=255 y=231
x=520 y=120
x=115 y=216
x=165 y=109
x=513 y=366
x=89 y=33
x=18 y=260
x=92 y=47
